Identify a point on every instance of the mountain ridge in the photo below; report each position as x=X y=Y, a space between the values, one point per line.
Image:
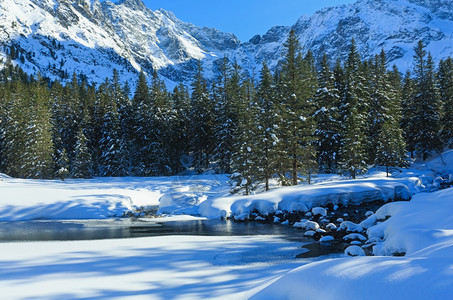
x=59 y=37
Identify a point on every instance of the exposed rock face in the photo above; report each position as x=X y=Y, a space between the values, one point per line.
x=59 y=37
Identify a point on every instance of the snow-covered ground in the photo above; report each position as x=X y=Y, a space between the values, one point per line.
x=260 y=267
x=182 y=267
x=101 y=198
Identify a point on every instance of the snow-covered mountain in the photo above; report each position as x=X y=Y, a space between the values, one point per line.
x=59 y=37
x=393 y=25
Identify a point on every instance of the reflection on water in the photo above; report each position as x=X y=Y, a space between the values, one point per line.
x=126 y=228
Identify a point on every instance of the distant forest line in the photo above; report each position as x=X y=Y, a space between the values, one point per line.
x=304 y=118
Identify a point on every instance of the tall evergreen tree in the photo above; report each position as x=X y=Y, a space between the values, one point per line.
x=161 y=115
x=427 y=104
x=37 y=158
x=179 y=140
x=142 y=126
x=112 y=160
x=298 y=90
x=82 y=165
x=354 y=110
x=14 y=128
x=389 y=147
x=202 y=122
x=408 y=112
x=328 y=119
x=266 y=129
x=5 y=99
x=69 y=115
x=125 y=117
x=227 y=103
x=445 y=75
x=244 y=159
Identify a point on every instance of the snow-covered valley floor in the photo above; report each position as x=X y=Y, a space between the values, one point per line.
x=233 y=267
x=171 y=267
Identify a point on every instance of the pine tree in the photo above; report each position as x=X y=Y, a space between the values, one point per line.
x=69 y=115
x=141 y=128
x=328 y=119
x=161 y=115
x=37 y=158
x=427 y=104
x=82 y=165
x=266 y=129
x=298 y=91
x=202 y=122
x=244 y=159
x=14 y=128
x=124 y=110
x=445 y=76
x=112 y=148
x=354 y=111
x=228 y=96
x=408 y=113
x=389 y=148
x=5 y=99
x=179 y=140
x=309 y=164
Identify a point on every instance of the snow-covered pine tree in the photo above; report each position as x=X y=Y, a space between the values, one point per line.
x=266 y=128
x=161 y=114
x=141 y=128
x=56 y=98
x=328 y=119
x=298 y=88
x=427 y=104
x=309 y=164
x=226 y=109
x=408 y=112
x=445 y=75
x=5 y=99
x=124 y=109
x=37 y=160
x=389 y=148
x=69 y=115
x=82 y=164
x=354 y=112
x=244 y=156
x=14 y=128
x=179 y=142
x=281 y=151
x=202 y=122
x=112 y=160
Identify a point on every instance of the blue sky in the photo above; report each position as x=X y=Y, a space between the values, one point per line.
x=244 y=18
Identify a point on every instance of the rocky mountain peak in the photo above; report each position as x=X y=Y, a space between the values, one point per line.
x=133 y=4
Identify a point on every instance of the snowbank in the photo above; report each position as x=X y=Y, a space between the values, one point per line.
x=100 y=198
x=304 y=197
x=421 y=228
x=443 y=164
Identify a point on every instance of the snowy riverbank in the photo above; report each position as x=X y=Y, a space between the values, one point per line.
x=193 y=267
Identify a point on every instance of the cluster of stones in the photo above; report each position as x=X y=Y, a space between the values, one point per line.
x=339 y=224
x=142 y=212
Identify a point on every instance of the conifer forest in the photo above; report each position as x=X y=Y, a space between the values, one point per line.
x=307 y=117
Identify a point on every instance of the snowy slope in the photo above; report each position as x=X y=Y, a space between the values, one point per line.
x=421 y=228
x=59 y=37
x=393 y=25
